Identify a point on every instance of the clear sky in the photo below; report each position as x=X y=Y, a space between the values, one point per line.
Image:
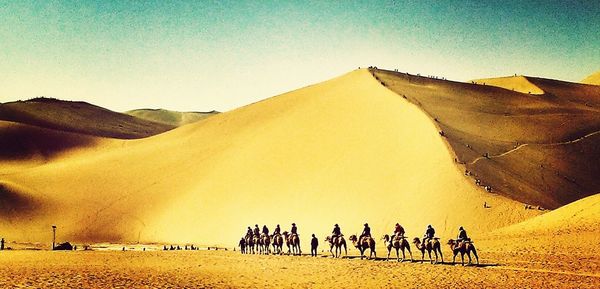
x=204 y=55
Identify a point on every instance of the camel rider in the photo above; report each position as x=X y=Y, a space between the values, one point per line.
x=462 y=235
x=277 y=231
x=256 y=231
x=398 y=231
x=336 y=231
x=249 y=232
x=429 y=233
x=265 y=230
x=366 y=232
x=294 y=229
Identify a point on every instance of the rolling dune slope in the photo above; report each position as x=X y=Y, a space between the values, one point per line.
x=169 y=117
x=79 y=117
x=592 y=79
x=538 y=149
x=345 y=151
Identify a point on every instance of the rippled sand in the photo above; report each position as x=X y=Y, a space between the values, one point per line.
x=227 y=269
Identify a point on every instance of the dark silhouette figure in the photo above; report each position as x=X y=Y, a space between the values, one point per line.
x=165 y=248
x=366 y=232
x=265 y=230
x=429 y=234
x=256 y=230
x=294 y=229
x=277 y=231
x=2 y=244
x=314 y=243
x=249 y=232
x=336 y=231
x=398 y=231
x=66 y=246
x=462 y=235
x=242 y=245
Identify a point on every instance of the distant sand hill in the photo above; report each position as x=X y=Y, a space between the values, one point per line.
x=79 y=117
x=349 y=150
x=592 y=79
x=169 y=117
x=538 y=149
x=515 y=83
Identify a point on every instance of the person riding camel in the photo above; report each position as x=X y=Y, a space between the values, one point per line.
x=294 y=230
x=265 y=230
x=398 y=231
x=429 y=234
x=249 y=232
x=336 y=231
x=366 y=232
x=277 y=231
x=462 y=235
x=256 y=230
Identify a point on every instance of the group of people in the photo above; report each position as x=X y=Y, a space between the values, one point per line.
x=337 y=232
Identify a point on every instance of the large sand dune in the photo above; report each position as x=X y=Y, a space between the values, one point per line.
x=541 y=149
x=344 y=151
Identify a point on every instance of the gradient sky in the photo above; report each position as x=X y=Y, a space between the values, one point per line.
x=204 y=55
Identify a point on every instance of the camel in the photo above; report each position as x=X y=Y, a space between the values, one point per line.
x=265 y=242
x=338 y=243
x=398 y=243
x=256 y=242
x=463 y=248
x=249 y=244
x=432 y=245
x=293 y=243
x=277 y=244
x=363 y=244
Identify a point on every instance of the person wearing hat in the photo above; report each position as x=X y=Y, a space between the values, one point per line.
x=336 y=231
x=294 y=229
x=249 y=232
x=366 y=232
x=429 y=234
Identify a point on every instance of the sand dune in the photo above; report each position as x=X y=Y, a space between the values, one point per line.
x=538 y=149
x=79 y=117
x=516 y=83
x=344 y=151
x=592 y=79
x=169 y=117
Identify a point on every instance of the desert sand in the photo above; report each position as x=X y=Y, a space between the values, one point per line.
x=592 y=79
x=276 y=161
x=221 y=269
x=370 y=146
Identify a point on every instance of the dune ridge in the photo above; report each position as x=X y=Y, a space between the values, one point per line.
x=518 y=83
x=593 y=79
x=169 y=117
x=344 y=151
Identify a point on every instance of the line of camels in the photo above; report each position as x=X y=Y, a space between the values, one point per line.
x=261 y=245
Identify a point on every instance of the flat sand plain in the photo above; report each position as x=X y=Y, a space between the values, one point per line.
x=229 y=269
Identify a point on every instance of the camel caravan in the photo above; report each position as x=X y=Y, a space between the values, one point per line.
x=259 y=242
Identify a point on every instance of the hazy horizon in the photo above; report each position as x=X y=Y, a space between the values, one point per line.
x=220 y=55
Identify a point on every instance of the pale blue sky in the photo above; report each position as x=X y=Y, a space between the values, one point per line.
x=203 y=55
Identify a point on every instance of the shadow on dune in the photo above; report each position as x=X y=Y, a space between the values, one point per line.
x=15 y=202
x=18 y=142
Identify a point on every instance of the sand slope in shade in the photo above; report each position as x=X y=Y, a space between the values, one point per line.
x=539 y=149
x=592 y=79
x=169 y=117
x=345 y=151
x=79 y=117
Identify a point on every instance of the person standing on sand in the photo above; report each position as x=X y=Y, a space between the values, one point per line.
x=314 y=243
x=2 y=244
